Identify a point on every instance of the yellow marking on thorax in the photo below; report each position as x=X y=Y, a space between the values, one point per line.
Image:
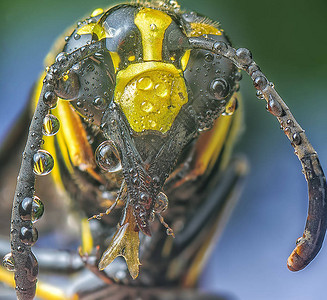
x=94 y=28
x=199 y=29
x=152 y=24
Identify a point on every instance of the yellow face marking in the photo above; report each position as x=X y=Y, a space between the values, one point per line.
x=151 y=95
x=199 y=29
x=152 y=24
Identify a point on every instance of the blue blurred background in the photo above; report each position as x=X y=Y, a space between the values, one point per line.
x=288 y=40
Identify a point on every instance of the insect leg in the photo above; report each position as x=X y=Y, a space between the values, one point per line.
x=310 y=243
x=121 y=194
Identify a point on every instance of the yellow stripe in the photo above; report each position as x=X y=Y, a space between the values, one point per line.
x=74 y=136
x=234 y=132
x=50 y=292
x=152 y=24
x=210 y=155
x=199 y=29
x=222 y=137
x=115 y=60
x=43 y=290
x=94 y=28
x=87 y=240
x=97 y=12
x=225 y=134
x=7 y=277
x=72 y=140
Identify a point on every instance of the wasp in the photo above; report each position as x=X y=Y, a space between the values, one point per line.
x=138 y=111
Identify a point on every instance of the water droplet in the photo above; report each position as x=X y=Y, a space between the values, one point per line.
x=219 y=88
x=31 y=209
x=28 y=235
x=112 y=32
x=287 y=130
x=79 y=104
x=244 y=56
x=99 y=103
x=42 y=162
x=296 y=138
x=144 y=83
x=162 y=90
x=51 y=125
x=107 y=157
x=8 y=262
x=260 y=82
x=290 y=122
x=77 y=36
x=299 y=240
x=61 y=57
x=161 y=203
x=147 y=106
x=274 y=107
x=153 y=26
x=221 y=47
x=209 y=57
x=50 y=99
x=259 y=95
x=231 y=107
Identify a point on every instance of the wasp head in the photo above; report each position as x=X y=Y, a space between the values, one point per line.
x=140 y=92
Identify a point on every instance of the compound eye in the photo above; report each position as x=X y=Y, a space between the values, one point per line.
x=96 y=88
x=89 y=86
x=219 y=88
x=123 y=36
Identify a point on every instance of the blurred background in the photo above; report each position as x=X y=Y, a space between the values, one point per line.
x=288 y=40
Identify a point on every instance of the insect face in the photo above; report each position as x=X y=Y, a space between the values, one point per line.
x=144 y=82
x=141 y=90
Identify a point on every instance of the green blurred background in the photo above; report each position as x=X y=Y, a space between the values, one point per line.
x=288 y=40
